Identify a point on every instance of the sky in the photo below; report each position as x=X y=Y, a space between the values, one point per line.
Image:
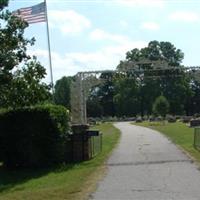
x=87 y=35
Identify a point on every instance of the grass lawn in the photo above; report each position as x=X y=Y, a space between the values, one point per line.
x=69 y=182
x=178 y=132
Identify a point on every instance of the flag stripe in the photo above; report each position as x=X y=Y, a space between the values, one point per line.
x=34 y=17
x=36 y=21
x=32 y=14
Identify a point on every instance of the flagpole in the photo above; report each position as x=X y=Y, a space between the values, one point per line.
x=49 y=47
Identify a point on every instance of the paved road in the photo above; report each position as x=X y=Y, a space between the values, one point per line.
x=147 y=166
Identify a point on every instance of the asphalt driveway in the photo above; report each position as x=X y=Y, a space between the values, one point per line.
x=147 y=166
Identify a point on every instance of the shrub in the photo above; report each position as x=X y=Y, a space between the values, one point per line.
x=161 y=106
x=33 y=136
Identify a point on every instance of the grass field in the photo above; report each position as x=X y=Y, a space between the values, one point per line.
x=69 y=182
x=179 y=133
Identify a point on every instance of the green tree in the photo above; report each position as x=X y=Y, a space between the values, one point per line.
x=3 y=3
x=26 y=87
x=194 y=101
x=102 y=96
x=163 y=51
x=126 y=97
x=62 y=91
x=20 y=75
x=153 y=82
x=105 y=94
x=94 y=107
x=13 y=45
x=161 y=106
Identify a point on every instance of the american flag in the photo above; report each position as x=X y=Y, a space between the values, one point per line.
x=33 y=14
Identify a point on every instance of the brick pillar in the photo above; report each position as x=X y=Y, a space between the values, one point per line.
x=80 y=143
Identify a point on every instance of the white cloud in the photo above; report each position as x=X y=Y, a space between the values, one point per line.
x=71 y=63
x=121 y=49
x=185 y=16
x=61 y=65
x=68 y=22
x=99 y=34
x=142 y=3
x=150 y=26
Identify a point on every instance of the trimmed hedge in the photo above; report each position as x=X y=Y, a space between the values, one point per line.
x=33 y=136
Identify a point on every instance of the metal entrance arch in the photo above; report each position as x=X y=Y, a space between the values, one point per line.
x=84 y=81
